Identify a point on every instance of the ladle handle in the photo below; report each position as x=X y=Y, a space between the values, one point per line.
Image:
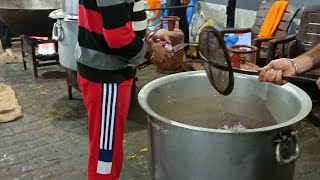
x=299 y=79
x=170 y=7
x=256 y=73
x=287 y=78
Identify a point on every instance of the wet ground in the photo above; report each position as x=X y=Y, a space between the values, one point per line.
x=50 y=140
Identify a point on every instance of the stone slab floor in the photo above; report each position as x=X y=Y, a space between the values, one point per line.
x=50 y=140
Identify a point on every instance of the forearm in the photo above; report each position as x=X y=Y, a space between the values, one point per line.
x=148 y=32
x=148 y=37
x=150 y=42
x=308 y=60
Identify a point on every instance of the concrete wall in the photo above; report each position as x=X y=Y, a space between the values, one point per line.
x=301 y=3
x=216 y=12
x=245 y=10
x=30 y=4
x=254 y=4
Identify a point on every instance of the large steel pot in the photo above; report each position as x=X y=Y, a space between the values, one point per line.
x=70 y=7
x=65 y=31
x=180 y=151
x=29 y=17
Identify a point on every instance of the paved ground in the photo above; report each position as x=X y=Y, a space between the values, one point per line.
x=50 y=140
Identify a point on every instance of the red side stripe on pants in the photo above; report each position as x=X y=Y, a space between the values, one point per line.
x=107 y=105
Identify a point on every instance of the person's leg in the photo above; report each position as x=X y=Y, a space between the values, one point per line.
x=172 y=3
x=182 y=14
x=184 y=26
x=107 y=105
x=5 y=39
x=5 y=36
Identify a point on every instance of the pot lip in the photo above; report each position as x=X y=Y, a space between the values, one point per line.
x=306 y=104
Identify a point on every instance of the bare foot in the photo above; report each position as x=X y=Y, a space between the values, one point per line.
x=10 y=53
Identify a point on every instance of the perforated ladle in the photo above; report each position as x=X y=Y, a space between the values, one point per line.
x=217 y=63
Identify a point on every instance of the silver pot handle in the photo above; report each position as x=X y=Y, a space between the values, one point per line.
x=57 y=33
x=287 y=138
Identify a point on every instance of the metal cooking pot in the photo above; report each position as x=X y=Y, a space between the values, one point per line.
x=71 y=8
x=181 y=151
x=65 y=31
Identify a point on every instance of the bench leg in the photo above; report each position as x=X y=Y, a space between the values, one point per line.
x=70 y=92
x=35 y=67
x=24 y=62
x=35 y=71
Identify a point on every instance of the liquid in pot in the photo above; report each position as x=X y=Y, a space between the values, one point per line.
x=219 y=112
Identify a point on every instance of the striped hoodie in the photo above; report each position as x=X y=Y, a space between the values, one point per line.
x=110 y=39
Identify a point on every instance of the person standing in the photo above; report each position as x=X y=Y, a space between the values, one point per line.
x=112 y=42
x=182 y=14
x=5 y=39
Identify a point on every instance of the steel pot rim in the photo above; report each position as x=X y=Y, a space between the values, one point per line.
x=305 y=101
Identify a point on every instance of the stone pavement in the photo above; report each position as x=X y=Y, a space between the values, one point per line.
x=50 y=140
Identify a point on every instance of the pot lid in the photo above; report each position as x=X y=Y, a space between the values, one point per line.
x=57 y=14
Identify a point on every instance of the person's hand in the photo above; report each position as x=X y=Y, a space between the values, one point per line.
x=318 y=84
x=274 y=71
x=185 y=2
x=161 y=34
x=160 y=54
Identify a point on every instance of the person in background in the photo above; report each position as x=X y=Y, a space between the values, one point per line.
x=112 y=41
x=151 y=4
x=274 y=71
x=182 y=14
x=5 y=39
